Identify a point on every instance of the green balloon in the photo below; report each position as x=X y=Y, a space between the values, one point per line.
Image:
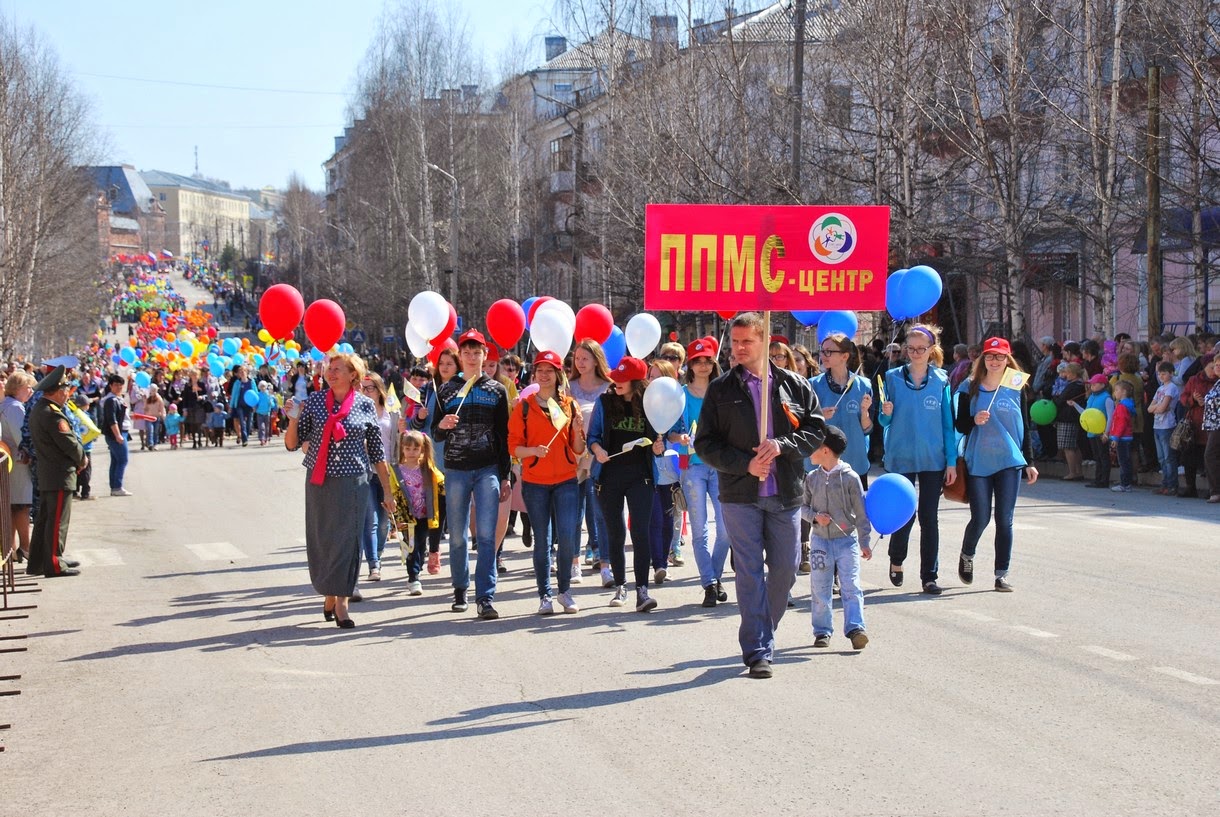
x=1043 y=412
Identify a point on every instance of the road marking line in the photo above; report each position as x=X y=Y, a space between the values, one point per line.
x=1025 y=526
x=216 y=551
x=1108 y=653
x=1120 y=523
x=1182 y=675
x=970 y=614
x=96 y=557
x=1034 y=631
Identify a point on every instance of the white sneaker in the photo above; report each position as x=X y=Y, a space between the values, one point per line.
x=1121 y=489
x=546 y=607
x=121 y=492
x=576 y=579
x=415 y=588
x=568 y=603
x=620 y=596
x=607 y=577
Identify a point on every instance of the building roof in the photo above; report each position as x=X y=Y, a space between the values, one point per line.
x=824 y=20
x=130 y=193
x=161 y=178
x=121 y=223
x=602 y=50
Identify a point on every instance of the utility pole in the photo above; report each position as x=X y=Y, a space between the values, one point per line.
x=798 y=94
x=1153 y=158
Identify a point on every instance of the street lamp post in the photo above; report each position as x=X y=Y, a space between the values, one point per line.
x=453 y=227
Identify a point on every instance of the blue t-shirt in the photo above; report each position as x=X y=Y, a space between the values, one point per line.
x=690 y=416
x=919 y=435
x=846 y=405
x=995 y=445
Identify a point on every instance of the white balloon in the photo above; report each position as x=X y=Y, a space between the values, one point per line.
x=552 y=328
x=418 y=346
x=428 y=313
x=664 y=402
x=643 y=333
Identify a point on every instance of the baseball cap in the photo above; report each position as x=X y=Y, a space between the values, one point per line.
x=472 y=336
x=493 y=353
x=549 y=358
x=996 y=346
x=700 y=348
x=1098 y=378
x=628 y=369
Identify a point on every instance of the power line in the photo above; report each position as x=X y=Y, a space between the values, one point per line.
x=225 y=127
x=206 y=85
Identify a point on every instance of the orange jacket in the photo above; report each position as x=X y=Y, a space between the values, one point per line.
x=529 y=425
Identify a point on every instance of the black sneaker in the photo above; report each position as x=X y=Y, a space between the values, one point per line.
x=859 y=639
x=459 y=601
x=761 y=669
x=485 y=610
x=821 y=641
x=709 y=596
x=720 y=594
x=965 y=568
x=1002 y=586
x=932 y=589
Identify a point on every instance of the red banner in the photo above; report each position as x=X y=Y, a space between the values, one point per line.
x=710 y=257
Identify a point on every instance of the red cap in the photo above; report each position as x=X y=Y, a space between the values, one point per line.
x=713 y=342
x=780 y=339
x=472 y=336
x=549 y=358
x=628 y=369
x=996 y=346
x=700 y=348
x=1098 y=378
x=493 y=352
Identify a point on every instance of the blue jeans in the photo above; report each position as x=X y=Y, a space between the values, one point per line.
x=152 y=434
x=483 y=486
x=1167 y=457
x=595 y=524
x=377 y=527
x=1003 y=486
x=762 y=533
x=1126 y=473
x=700 y=483
x=929 y=483
x=553 y=509
x=825 y=555
x=243 y=414
x=661 y=525
x=118 y=462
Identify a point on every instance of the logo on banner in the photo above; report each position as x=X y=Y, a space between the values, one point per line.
x=832 y=238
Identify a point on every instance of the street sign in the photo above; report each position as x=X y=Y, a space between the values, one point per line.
x=356 y=336
x=388 y=333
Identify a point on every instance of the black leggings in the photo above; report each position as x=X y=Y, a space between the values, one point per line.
x=637 y=492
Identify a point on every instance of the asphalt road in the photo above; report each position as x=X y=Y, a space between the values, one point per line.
x=189 y=671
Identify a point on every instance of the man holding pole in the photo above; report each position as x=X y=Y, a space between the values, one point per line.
x=757 y=425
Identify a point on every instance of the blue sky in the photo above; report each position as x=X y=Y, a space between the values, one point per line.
x=247 y=138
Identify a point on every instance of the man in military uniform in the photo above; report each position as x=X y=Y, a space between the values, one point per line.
x=60 y=458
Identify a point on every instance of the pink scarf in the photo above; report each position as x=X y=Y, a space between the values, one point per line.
x=334 y=427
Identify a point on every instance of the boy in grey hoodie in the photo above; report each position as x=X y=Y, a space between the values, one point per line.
x=834 y=503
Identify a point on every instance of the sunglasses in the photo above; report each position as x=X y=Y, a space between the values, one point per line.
x=671 y=358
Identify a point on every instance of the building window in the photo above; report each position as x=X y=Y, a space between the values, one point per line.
x=561 y=154
x=161 y=196
x=838 y=105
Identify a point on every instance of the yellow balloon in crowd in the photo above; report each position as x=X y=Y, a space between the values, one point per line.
x=1093 y=421
x=265 y=336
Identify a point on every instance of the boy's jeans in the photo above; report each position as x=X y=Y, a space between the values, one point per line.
x=825 y=555
x=1167 y=457
x=483 y=485
x=1126 y=474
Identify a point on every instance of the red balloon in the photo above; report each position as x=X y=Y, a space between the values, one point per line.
x=212 y=333
x=594 y=321
x=506 y=322
x=324 y=324
x=450 y=325
x=534 y=307
x=435 y=354
x=727 y=314
x=280 y=309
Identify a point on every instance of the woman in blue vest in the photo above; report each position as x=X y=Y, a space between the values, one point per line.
x=920 y=444
x=995 y=419
x=845 y=398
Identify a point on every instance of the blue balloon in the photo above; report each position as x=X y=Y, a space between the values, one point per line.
x=317 y=354
x=216 y=368
x=231 y=346
x=808 y=318
x=291 y=354
x=143 y=380
x=528 y=304
x=257 y=360
x=615 y=347
x=127 y=355
x=919 y=290
x=116 y=360
x=889 y=503
x=160 y=344
x=838 y=321
x=250 y=398
x=346 y=348
x=239 y=359
x=891 y=294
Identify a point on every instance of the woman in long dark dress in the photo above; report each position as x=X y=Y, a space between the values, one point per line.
x=338 y=428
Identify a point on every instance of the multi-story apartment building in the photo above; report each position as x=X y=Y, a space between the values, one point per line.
x=201 y=216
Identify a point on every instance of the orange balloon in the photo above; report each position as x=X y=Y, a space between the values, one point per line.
x=133 y=342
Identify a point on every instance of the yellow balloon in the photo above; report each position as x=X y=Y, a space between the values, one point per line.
x=1093 y=421
x=265 y=336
